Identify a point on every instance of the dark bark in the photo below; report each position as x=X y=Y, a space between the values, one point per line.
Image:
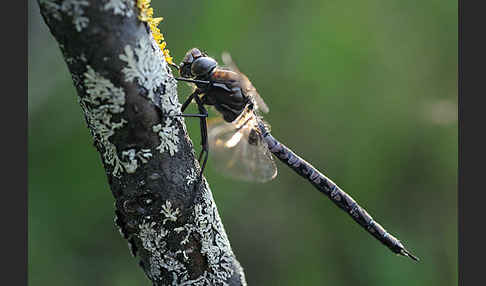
x=128 y=95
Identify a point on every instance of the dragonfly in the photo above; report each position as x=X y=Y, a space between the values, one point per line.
x=241 y=140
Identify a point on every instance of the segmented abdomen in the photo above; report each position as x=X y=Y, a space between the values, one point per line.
x=331 y=190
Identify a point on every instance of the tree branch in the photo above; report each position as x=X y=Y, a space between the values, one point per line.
x=127 y=93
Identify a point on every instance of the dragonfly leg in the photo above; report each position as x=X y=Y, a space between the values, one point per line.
x=188 y=100
x=204 y=134
x=202 y=115
x=186 y=104
x=174 y=65
x=193 y=80
x=192 y=115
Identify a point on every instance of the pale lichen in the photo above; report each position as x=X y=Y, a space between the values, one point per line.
x=116 y=223
x=214 y=242
x=74 y=8
x=169 y=213
x=168 y=135
x=130 y=156
x=72 y=60
x=145 y=66
x=205 y=227
x=51 y=8
x=153 y=241
x=121 y=7
x=191 y=177
x=102 y=101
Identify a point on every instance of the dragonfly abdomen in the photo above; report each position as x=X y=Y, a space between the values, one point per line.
x=333 y=192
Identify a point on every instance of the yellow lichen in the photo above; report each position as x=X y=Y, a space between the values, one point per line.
x=146 y=14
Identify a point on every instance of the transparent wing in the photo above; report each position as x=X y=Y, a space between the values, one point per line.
x=236 y=157
x=248 y=87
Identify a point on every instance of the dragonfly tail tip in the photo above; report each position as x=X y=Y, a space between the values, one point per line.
x=405 y=252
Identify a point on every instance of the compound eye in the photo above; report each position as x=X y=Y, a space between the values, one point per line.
x=203 y=66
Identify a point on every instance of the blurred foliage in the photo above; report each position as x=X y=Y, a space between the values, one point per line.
x=364 y=90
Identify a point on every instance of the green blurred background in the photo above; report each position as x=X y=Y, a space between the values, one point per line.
x=364 y=90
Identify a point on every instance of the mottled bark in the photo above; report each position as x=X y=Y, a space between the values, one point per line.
x=128 y=94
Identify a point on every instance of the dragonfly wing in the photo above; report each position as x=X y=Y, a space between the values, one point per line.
x=246 y=84
x=236 y=157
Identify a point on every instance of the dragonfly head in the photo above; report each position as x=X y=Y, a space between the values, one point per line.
x=189 y=58
x=196 y=64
